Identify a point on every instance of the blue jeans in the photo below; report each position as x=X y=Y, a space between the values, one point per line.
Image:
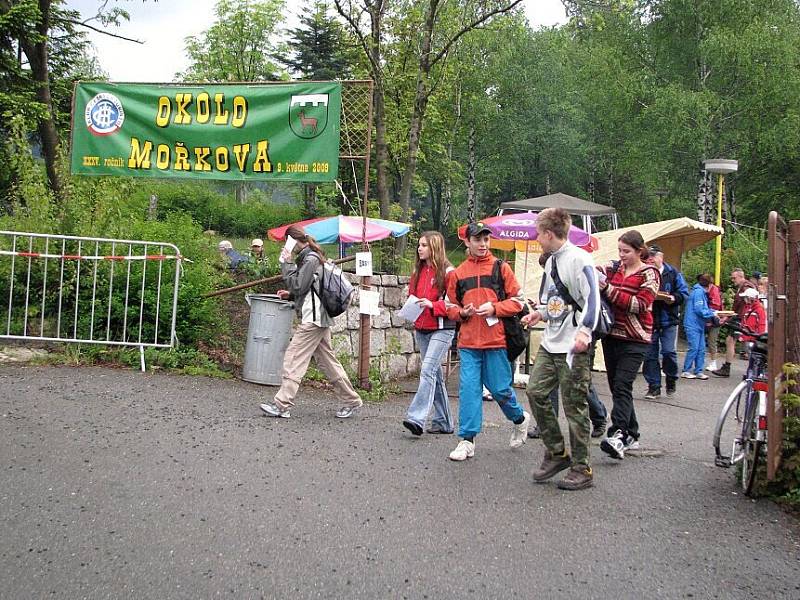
x=598 y=414
x=433 y=347
x=664 y=340
x=492 y=369
x=696 y=353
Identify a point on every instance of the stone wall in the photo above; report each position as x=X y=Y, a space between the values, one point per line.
x=392 y=345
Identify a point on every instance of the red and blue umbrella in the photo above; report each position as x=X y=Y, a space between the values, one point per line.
x=345 y=230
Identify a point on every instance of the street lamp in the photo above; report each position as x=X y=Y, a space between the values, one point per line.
x=721 y=167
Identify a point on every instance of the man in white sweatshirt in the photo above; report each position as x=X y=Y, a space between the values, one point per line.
x=569 y=304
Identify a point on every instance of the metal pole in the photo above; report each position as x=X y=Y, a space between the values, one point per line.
x=718 y=257
x=363 y=354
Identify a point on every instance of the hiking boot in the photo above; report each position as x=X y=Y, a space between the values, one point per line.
x=653 y=392
x=670 y=389
x=723 y=371
x=520 y=432
x=272 y=410
x=614 y=445
x=412 y=427
x=551 y=465
x=578 y=478
x=436 y=428
x=534 y=432
x=346 y=412
x=598 y=429
x=463 y=451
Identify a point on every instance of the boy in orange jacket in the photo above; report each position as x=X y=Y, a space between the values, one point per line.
x=482 y=342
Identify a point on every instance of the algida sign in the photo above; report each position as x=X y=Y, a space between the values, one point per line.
x=207 y=131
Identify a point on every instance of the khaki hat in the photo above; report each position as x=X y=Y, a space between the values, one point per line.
x=225 y=245
x=257 y=242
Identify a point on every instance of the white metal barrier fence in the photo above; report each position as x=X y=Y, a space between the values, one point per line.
x=89 y=290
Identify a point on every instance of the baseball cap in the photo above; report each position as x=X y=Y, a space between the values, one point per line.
x=225 y=245
x=475 y=229
x=257 y=242
x=749 y=293
x=654 y=249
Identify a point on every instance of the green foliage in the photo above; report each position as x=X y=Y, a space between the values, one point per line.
x=217 y=211
x=785 y=487
x=744 y=248
x=240 y=45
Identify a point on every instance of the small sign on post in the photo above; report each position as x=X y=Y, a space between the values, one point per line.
x=364 y=264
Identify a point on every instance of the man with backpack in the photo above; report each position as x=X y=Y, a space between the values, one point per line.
x=483 y=294
x=569 y=304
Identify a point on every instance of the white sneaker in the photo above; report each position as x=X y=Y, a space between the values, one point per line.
x=519 y=433
x=346 y=412
x=272 y=410
x=614 y=446
x=688 y=375
x=712 y=366
x=463 y=451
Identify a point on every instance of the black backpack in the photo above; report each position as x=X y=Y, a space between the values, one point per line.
x=605 y=320
x=334 y=290
x=517 y=337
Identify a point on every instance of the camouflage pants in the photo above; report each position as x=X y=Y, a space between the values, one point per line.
x=550 y=371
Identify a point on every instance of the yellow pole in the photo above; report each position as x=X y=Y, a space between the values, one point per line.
x=718 y=265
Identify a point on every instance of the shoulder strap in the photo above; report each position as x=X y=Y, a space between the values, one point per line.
x=498 y=283
x=562 y=289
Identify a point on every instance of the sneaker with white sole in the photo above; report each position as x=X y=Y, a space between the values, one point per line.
x=614 y=445
x=463 y=451
x=631 y=443
x=272 y=410
x=702 y=376
x=519 y=433
x=712 y=366
x=688 y=375
x=346 y=412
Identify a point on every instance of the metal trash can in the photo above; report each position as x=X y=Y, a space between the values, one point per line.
x=268 y=335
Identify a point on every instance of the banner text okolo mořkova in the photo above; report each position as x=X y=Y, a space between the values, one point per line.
x=287 y=132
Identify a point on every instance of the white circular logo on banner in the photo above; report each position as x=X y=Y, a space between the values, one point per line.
x=519 y=222
x=104 y=114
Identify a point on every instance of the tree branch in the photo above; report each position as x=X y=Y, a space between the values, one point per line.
x=467 y=28
x=98 y=30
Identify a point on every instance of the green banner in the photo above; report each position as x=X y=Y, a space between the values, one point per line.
x=264 y=132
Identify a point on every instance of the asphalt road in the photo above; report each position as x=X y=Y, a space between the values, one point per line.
x=117 y=484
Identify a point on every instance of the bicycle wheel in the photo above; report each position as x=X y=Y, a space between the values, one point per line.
x=728 y=428
x=751 y=444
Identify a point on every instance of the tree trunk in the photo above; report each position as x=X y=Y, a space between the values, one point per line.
x=310 y=199
x=152 y=210
x=37 y=58
x=381 y=152
x=471 y=176
x=241 y=192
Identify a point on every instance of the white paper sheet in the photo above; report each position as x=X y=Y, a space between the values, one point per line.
x=288 y=246
x=410 y=310
x=368 y=301
x=364 y=264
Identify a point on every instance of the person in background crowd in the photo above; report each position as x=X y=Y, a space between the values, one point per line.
x=763 y=291
x=434 y=333
x=695 y=317
x=712 y=330
x=233 y=258
x=672 y=294
x=312 y=338
x=482 y=342
x=740 y=284
x=630 y=287
x=257 y=250
x=569 y=304
x=754 y=317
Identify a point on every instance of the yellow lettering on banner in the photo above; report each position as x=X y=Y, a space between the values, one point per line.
x=182 y=101
x=221 y=158
x=162 y=156
x=182 y=158
x=239 y=111
x=221 y=117
x=203 y=107
x=241 y=151
x=164 y=110
x=140 y=157
x=262 y=164
x=201 y=155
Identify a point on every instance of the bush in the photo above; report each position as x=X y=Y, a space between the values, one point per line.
x=745 y=249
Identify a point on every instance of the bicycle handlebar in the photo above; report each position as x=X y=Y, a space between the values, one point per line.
x=735 y=324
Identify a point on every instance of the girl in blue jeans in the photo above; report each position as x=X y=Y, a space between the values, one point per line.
x=434 y=334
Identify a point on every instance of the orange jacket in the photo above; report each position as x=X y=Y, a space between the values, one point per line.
x=475 y=332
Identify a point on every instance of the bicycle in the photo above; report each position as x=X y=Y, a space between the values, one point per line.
x=749 y=443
